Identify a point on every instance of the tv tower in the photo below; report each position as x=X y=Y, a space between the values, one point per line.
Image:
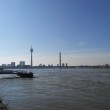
x=31 y=50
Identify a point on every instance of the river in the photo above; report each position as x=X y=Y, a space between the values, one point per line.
x=58 y=89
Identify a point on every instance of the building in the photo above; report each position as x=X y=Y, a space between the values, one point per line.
x=22 y=63
x=12 y=64
x=63 y=64
x=9 y=65
x=3 y=65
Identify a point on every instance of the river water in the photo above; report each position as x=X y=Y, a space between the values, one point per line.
x=55 y=89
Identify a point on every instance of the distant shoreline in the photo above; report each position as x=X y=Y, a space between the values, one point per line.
x=57 y=67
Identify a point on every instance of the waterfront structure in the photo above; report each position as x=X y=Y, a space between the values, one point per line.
x=67 y=65
x=31 y=50
x=12 y=64
x=22 y=74
x=3 y=65
x=63 y=64
x=9 y=65
x=22 y=63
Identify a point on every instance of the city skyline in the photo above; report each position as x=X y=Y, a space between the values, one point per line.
x=72 y=59
x=79 y=29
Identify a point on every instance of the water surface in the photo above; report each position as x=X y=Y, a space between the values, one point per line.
x=55 y=89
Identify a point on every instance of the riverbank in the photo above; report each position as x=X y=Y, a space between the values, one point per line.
x=2 y=105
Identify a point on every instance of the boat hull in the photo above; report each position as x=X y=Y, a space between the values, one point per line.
x=25 y=75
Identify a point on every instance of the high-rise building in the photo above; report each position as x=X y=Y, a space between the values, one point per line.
x=22 y=63
x=9 y=65
x=12 y=64
x=3 y=65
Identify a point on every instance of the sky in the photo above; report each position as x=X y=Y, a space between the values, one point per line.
x=79 y=29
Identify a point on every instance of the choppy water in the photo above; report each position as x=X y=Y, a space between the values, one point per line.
x=55 y=89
